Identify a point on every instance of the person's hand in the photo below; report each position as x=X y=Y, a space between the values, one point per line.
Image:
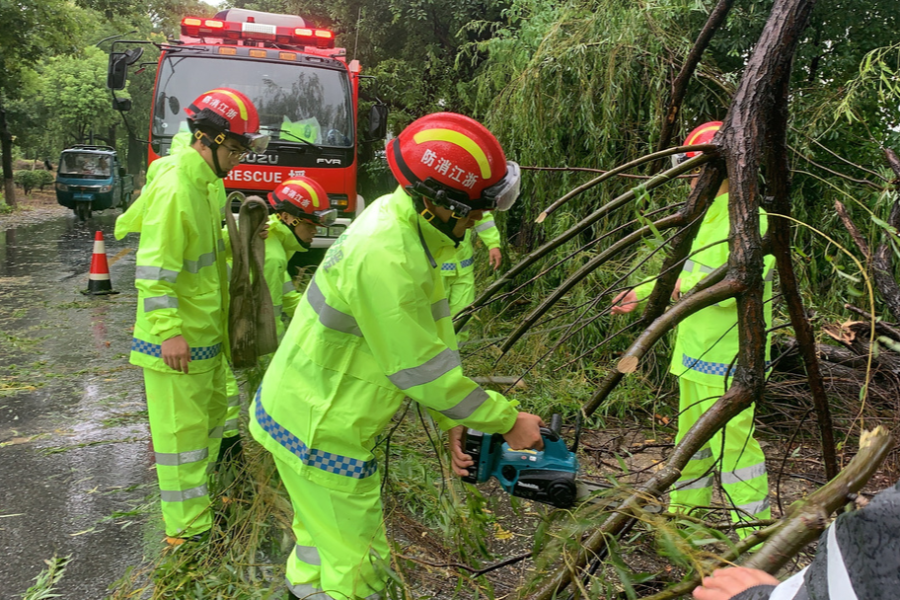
x=264 y=231
x=625 y=302
x=723 y=584
x=176 y=353
x=495 y=258
x=676 y=293
x=459 y=459
x=526 y=433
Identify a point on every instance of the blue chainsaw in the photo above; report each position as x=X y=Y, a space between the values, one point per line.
x=546 y=475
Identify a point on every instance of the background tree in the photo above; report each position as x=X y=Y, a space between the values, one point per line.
x=31 y=30
x=74 y=86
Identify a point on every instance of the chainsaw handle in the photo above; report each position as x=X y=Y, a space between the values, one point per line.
x=548 y=433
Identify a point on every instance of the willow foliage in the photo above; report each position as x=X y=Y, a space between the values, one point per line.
x=585 y=83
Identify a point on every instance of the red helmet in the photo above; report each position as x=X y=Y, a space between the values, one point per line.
x=230 y=114
x=455 y=162
x=700 y=135
x=303 y=198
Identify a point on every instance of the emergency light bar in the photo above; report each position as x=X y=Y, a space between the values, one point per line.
x=233 y=30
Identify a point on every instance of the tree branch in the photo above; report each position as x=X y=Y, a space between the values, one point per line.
x=618 y=170
x=564 y=237
x=680 y=85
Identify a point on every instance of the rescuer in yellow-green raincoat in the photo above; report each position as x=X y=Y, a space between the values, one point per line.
x=706 y=346
x=459 y=271
x=180 y=333
x=282 y=242
x=374 y=328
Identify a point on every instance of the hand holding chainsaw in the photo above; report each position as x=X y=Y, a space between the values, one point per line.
x=526 y=433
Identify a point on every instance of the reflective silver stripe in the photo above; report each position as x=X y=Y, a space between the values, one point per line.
x=743 y=474
x=787 y=590
x=754 y=508
x=328 y=316
x=440 y=309
x=181 y=496
x=703 y=454
x=288 y=287
x=231 y=425
x=304 y=590
x=770 y=276
x=839 y=585
x=221 y=245
x=697 y=484
x=205 y=260
x=173 y=459
x=691 y=265
x=155 y=274
x=427 y=372
x=216 y=432
x=234 y=400
x=307 y=554
x=483 y=226
x=470 y=404
x=158 y=302
x=277 y=310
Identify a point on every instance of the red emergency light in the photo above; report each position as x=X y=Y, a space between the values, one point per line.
x=250 y=31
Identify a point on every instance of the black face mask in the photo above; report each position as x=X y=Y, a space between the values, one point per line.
x=435 y=221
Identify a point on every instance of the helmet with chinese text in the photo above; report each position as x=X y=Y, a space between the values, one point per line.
x=455 y=162
x=303 y=198
x=227 y=113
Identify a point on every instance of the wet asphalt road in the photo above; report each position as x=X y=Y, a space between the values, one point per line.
x=76 y=474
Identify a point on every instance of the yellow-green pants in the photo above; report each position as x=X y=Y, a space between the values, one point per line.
x=745 y=483
x=234 y=403
x=340 y=540
x=187 y=413
x=460 y=293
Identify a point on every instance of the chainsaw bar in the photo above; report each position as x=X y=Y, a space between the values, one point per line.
x=586 y=492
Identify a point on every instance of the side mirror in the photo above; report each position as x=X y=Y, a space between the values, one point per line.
x=122 y=104
x=133 y=55
x=117 y=71
x=378 y=122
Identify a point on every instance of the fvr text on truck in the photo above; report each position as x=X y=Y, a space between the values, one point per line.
x=306 y=93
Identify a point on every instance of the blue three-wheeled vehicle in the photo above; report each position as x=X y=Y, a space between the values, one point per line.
x=91 y=178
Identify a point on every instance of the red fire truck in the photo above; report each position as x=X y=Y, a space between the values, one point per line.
x=304 y=89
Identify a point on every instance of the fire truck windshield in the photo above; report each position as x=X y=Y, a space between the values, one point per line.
x=297 y=104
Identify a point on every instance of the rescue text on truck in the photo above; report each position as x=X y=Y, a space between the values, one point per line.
x=302 y=86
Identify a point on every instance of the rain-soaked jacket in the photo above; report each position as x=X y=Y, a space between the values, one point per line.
x=281 y=245
x=180 y=274
x=858 y=558
x=707 y=342
x=461 y=263
x=373 y=328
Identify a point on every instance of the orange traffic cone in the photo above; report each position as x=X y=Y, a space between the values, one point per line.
x=98 y=281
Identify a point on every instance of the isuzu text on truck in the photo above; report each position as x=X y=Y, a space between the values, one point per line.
x=306 y=94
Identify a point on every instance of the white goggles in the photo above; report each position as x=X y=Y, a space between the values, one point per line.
x=679 y=158
x=502 y=195
x=256 y=142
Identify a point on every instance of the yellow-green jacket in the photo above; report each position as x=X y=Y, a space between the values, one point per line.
x=706 y=343
x=373 y=328
x=180 y=270
x=461 y=262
